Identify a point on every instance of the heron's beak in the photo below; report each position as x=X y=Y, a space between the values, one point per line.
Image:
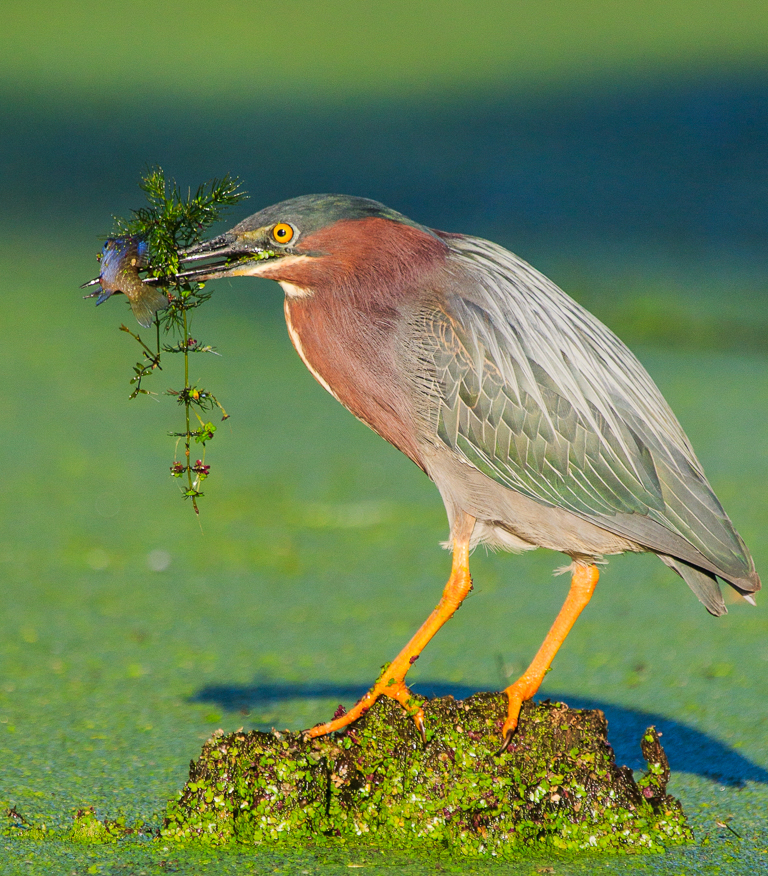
x=228 y=255
x=231 y=254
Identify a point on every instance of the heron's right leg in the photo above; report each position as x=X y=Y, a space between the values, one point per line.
x=582 y=587
x=391 y=682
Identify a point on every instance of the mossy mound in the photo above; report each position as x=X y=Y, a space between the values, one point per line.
x=557 y=785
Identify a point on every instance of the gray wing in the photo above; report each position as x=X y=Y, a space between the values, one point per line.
x=540 y=396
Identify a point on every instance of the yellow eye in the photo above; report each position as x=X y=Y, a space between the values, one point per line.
x=282 y=232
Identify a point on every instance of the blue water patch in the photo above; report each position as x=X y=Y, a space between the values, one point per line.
x=663 y=163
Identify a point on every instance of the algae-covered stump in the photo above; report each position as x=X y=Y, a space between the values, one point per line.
x=557 y=785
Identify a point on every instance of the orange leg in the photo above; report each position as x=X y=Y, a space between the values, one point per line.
x=582 y=586
x=391 y=682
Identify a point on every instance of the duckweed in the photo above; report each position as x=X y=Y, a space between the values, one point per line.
x=556 y=786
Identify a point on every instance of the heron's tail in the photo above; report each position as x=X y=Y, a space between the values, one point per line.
x=706 y=586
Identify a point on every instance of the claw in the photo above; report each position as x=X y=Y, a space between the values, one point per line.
x=505 y=742
x=418 y=720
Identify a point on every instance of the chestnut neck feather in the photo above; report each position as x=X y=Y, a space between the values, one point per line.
x=346 y=330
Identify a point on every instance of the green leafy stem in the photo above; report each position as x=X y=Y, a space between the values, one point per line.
x=170 y=223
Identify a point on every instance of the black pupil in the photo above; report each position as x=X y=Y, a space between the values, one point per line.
x=281 y=232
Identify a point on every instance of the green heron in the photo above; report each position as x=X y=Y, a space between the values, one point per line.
x=537 y=425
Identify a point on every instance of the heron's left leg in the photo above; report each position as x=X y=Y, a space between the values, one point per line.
x=582 y=586
x=391 y=682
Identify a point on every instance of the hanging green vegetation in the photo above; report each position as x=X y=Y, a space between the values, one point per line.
x=141 y=261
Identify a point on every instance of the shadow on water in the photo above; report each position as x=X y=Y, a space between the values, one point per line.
x=689 y=750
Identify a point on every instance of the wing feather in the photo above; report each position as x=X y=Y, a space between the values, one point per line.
x=536 y=393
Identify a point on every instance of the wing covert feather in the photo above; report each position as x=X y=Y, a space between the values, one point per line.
x=541 y=397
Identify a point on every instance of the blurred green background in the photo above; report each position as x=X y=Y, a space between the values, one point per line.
x=619 y=147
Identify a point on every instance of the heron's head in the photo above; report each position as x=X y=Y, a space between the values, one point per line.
x=317 y=242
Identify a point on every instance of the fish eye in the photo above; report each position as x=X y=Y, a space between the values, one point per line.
x=283 y=232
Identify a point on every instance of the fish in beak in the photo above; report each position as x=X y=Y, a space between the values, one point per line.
x=121 y=260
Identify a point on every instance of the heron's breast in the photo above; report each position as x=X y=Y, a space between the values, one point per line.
x=351 y=357
x=296 y=340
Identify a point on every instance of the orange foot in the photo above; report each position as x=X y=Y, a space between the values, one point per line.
x=582 y=587
x=387 y=685
x=391 y=682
